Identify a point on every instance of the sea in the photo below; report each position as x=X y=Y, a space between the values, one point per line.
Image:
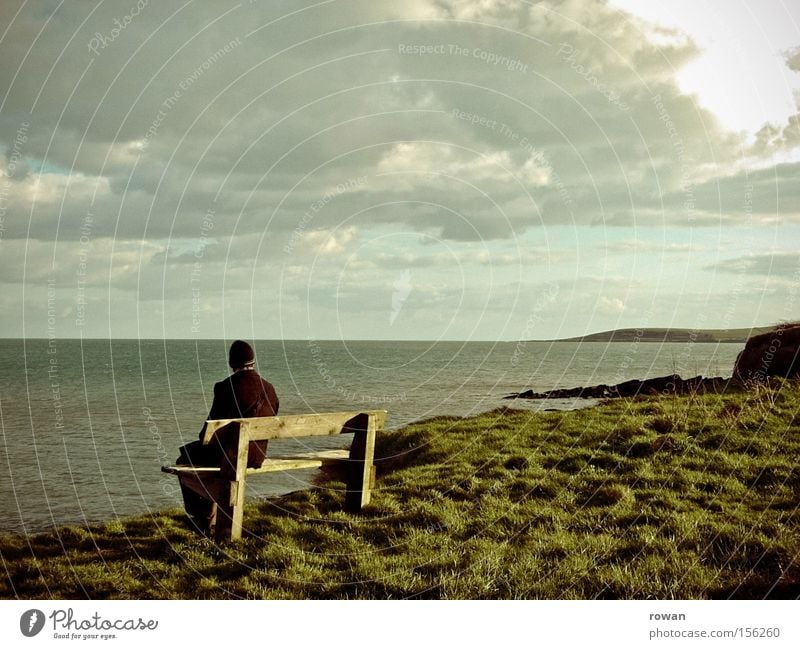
x=87 y=424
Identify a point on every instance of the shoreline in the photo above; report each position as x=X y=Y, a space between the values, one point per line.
x=309 y=476
x=672 y=384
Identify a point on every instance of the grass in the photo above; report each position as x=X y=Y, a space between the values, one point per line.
x=670 y=497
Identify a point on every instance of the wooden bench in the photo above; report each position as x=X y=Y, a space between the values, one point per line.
x=226 y=484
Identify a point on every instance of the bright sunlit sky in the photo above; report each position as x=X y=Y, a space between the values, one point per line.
x=741 y=73
x=481 y=170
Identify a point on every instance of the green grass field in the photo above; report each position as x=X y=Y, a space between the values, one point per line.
x=670 y=497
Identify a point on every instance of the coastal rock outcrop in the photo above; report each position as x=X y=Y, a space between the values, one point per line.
x=774 y=353
x=672 y=384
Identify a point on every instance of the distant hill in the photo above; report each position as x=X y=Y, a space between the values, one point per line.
x=656 y=335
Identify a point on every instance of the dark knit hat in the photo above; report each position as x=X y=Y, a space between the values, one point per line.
x=241 y=354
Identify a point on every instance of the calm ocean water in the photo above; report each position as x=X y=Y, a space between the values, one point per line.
x=86 y=425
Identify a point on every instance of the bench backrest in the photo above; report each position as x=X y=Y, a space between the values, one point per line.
x=323 y=423
x=235 y=435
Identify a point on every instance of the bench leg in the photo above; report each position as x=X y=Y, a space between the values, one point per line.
x=230 y=507
x=360 y=469
x=229 y=514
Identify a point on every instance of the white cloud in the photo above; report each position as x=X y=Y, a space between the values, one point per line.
x=641 y=246
x=611 y=305
x=327 y=242
x=443 y=159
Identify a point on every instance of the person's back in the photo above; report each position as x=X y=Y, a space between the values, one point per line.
x=243 y=394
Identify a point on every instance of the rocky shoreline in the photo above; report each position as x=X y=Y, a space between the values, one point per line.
x=672 y=384
x=775 y=353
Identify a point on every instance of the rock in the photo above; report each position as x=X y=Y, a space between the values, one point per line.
x=774 y=353
x=671 y=384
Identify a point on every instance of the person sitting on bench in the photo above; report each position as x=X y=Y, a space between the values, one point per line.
x=243 y=394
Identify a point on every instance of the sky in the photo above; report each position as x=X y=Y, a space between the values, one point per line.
x=433 y=169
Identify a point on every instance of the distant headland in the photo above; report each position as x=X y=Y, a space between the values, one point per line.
x=668 y=335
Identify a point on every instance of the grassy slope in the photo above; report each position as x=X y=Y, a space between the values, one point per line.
x=672 y=497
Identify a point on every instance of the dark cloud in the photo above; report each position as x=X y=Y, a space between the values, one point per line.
x=746 y=196
x=174 y=113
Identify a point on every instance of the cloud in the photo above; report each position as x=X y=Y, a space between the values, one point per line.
x=775 y=137
x=611 y=305
x=777 y=264
x=749 y=196
x=636 y=246
x=468 y=257
x=209 y=112
x=323 y=242
x=96 y=263
x=793 y=59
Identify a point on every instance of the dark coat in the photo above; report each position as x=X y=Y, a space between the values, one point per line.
x=245 y=394
x=242 y=394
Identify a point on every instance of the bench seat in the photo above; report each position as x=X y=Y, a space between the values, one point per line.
x=277 y=463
